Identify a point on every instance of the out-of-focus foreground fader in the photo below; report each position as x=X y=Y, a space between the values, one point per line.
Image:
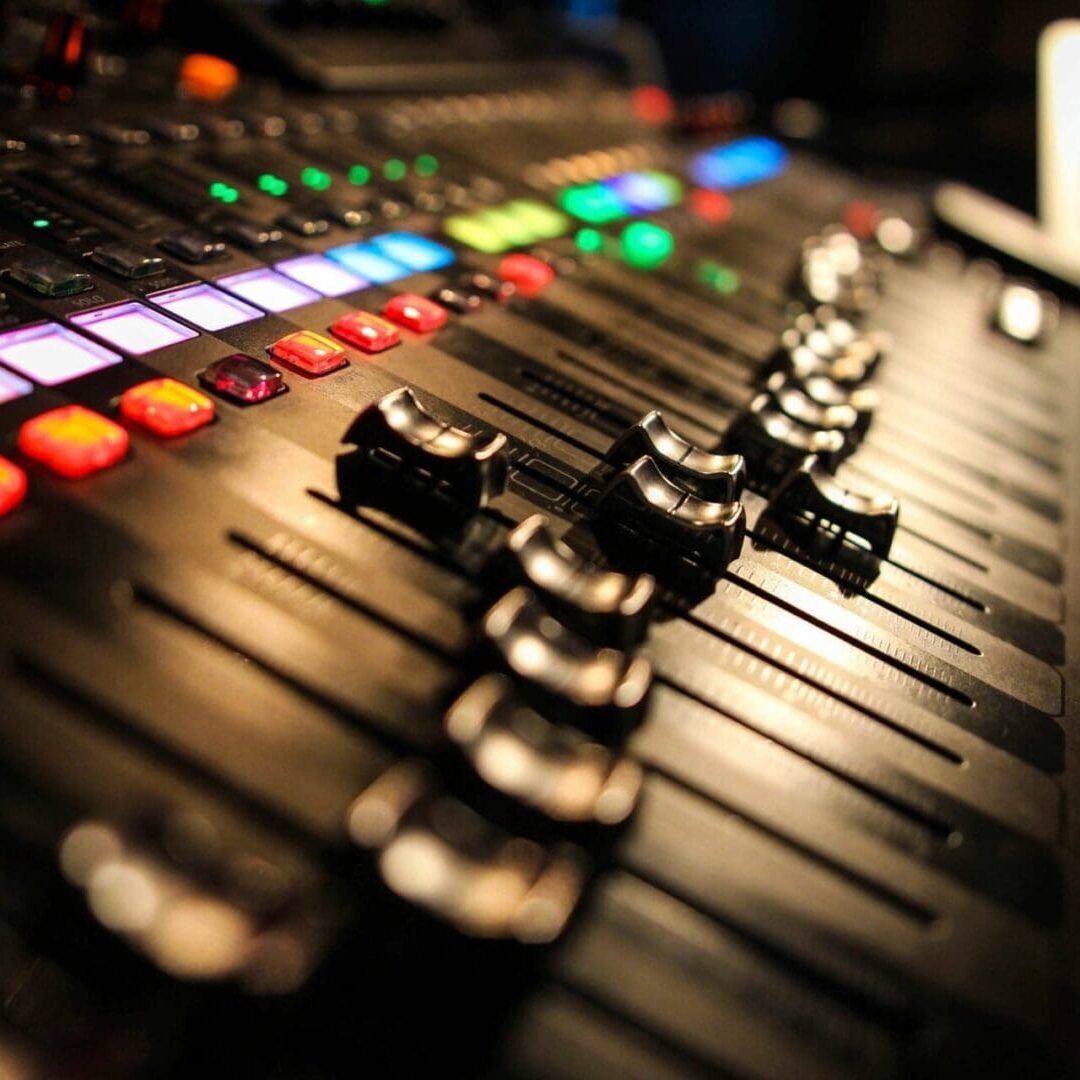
x=519 y=576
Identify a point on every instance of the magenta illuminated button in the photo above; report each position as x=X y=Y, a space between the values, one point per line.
x=133 y=327
x=243 y=379
x=51 y=354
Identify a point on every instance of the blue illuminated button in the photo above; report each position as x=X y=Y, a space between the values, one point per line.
x=368 y=262
x=51 y=354
x=739 y=163
x=322 y=274
x=133 y=327
x=418 y=253
x=270 y=291
x=646 y=192
x=12 y=387
x=206 y=306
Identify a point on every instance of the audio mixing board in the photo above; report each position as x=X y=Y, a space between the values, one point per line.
x=512 y=584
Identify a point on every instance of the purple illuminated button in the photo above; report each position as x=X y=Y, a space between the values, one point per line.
x=243 y=379
x=206 y=306
x=322 y=274
x=133 y=327
x=267 y=289
x=51 y=354
x=12 y=387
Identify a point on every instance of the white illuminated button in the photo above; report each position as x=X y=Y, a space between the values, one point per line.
x=133 y=327
x=322 y=274
x=12 y=387
x=270 y=291
x=206 y=306
x=51 y=354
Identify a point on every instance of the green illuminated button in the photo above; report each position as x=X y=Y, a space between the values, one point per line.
x=226 y=193
x=467 y=229
x=646 y=246
x=593 y=203
x=426 y=165
x=545 y=222
x=316 y=179
x=273 y=185
x=589 y=240
x=359 y=175
x=395 y=169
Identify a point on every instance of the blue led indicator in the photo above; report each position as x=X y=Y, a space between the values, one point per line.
x=740 y=163
x=369 y=263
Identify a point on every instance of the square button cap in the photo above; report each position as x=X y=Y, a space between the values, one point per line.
x=167 y=407
x=309 y=353
x=366 y=331
x=73 y=441
x=529 y=274
x=243 y=379
x=415 y=313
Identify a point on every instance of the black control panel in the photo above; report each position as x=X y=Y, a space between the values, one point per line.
x=499 y=585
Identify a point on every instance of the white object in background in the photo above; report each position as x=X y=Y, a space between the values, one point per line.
x=1059 y=135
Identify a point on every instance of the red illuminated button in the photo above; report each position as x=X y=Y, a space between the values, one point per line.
x=308 y=352
x=243 y=379
x=366 y=331
x=861 y=218
x=12 y=486
x=529 y=274
x=712 y=206
x=415 y=312
x=166 y=407
x=73 y=441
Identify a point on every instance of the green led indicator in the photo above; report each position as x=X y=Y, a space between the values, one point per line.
x=646 y=246
x=226 y=193
x=41 y=223
x=721 y=278
x=359 y=175
x=316 y=179
x=272 y=185
x=395 y=169
x=589 y=240
x=426 y=165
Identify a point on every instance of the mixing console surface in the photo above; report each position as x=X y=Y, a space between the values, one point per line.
x=492 y=585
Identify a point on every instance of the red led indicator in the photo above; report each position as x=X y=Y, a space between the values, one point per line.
x=861 y=218
x=528 y=273
x=12 y=486
x=73 y=441
x=415 y=313
x=653 y=105
x=167 y=407
x=366 y=331
x=309 y=353
x=712 y=206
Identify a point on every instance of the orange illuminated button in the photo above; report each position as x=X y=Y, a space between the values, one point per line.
x=309 y=353
x=415 y=312
x=167 y=407
x=208 y=78
x=528 y=273
x=712 y=206
x=366 y=331
x=73 y=441
x=12 y=486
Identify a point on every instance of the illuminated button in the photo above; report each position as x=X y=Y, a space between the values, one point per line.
x=739 y=163
x=480 y=235
x=133 y=327
x=861 y=218
x=529 y=274
x=645 y=245
x=166 y=407
x=51 y=354
x=309 y=353
x=322 y=274
x=51 y=277
x=73 y=441
x=712 y=206
x=243 y=379
x=593 y=203
x=646 y=192
x=415 y=313
x=206 y=306
x=12 y=387
x=12 y=486
x=366 y=331
x=208 y=78
x=268 y=290
x=415 y=252
x=365 y=260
